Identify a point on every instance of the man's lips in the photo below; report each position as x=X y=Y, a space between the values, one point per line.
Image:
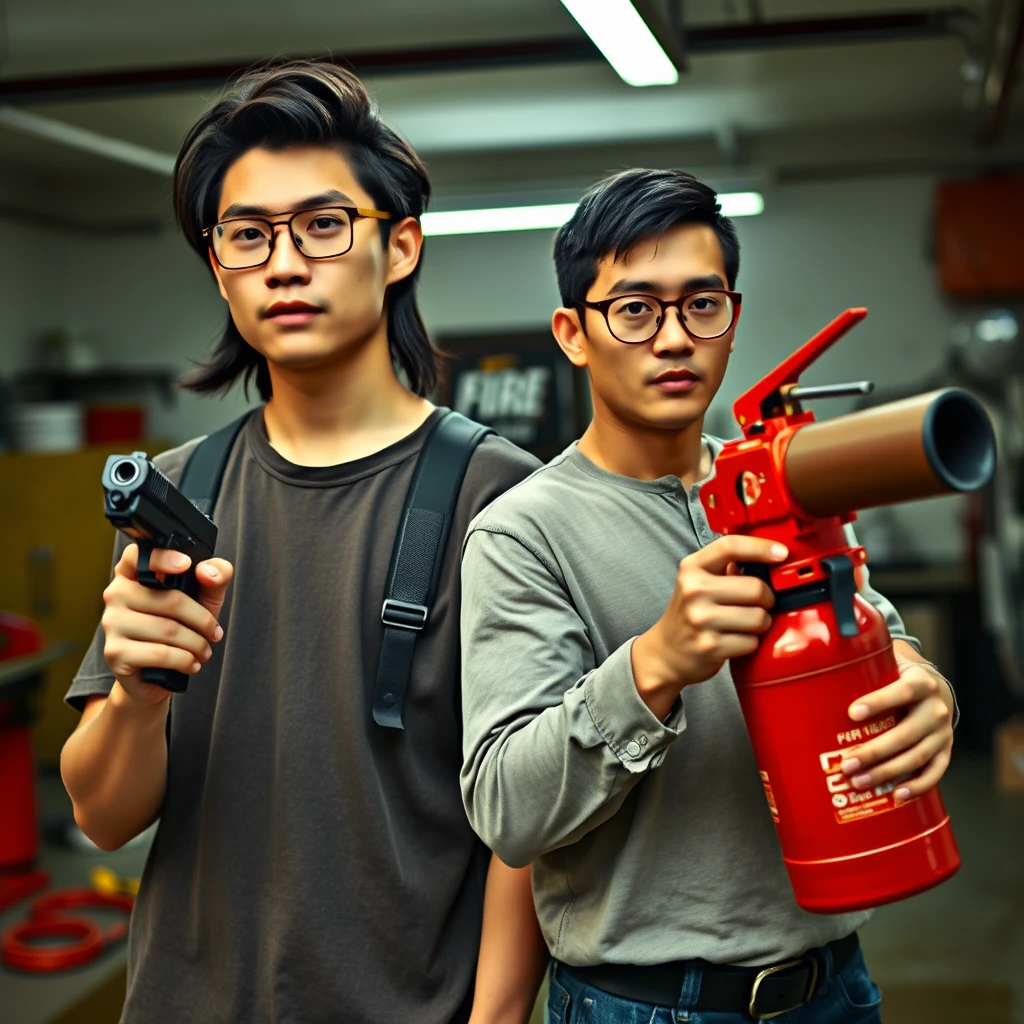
x=676 y=380
x=291 y=313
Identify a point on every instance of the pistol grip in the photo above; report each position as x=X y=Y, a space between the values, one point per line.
x=176 y=682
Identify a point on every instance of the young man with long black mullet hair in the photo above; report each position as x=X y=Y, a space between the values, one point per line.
x=311 y=864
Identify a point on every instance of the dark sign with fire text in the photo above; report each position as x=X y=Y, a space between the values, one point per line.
x=524 y=394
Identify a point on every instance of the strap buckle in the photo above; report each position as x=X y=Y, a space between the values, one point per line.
x=775 y=969
x=404 y=614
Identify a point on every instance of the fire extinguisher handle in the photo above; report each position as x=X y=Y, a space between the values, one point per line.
x=839 y=589
x=758 y=570
x=842 y=587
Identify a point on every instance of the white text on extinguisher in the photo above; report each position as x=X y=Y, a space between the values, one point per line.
x=843 y=793
x=865 y=732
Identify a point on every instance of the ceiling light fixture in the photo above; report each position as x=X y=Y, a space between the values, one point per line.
x=502 y=218
x=551 y=216
x=627 y=40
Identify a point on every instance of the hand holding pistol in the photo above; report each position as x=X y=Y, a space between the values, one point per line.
x=143 y=504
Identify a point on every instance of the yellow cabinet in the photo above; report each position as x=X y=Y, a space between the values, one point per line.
x=56 y=546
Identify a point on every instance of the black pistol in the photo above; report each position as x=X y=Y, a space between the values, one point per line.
x=143 y=504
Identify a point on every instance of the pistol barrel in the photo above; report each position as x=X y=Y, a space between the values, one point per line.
x=141 y=501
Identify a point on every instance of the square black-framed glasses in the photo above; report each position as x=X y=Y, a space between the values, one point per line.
x=352 y=212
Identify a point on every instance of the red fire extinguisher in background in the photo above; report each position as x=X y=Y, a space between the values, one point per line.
x=793 y=480
x=19 y=828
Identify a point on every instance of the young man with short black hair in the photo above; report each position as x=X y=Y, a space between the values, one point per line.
x=604 y=739
x=310 y=864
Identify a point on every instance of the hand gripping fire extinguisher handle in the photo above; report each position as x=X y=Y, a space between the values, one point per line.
x=838 y=588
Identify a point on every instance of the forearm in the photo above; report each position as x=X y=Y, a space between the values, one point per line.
x=114 y=767
x=553 y=741
x=536 y=780
x=533 y=789
x=513 y=953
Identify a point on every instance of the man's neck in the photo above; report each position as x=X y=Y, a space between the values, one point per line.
x=344 y=411
x=643 y=453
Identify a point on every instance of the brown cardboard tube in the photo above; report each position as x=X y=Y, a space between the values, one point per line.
x=916 y=448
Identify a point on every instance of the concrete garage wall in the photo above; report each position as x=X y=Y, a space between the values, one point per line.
x=32 y=289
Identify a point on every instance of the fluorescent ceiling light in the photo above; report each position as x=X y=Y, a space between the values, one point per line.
x=618 y=31
x=538 y=218
x=502 y=218
x=741 y=204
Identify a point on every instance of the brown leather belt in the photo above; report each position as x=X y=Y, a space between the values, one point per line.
x=761 y=992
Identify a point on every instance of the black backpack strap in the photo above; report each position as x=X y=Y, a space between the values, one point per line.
x=416 y=557
x=200 y=482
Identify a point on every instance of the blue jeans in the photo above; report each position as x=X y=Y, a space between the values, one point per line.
x=848 y=996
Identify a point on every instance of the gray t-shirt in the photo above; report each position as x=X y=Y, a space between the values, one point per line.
x=650 y=841
x=310 y=865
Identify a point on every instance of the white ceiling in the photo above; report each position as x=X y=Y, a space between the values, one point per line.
x=751 y=113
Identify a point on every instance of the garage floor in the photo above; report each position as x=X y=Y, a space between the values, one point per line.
x=957 y=953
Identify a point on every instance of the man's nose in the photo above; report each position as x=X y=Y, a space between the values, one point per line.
x=286 y=261
x=672 y=337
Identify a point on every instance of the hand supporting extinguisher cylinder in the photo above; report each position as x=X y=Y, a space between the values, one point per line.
x=902 y=451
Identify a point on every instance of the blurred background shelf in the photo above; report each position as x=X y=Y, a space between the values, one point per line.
x=100 y=384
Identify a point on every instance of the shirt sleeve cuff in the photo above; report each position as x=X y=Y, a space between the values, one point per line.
x=632 y=731
x=906 y=638
x=84 y=687
x=956 y=705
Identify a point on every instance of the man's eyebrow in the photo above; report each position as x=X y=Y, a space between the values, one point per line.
x=627 y=285
x=708 y=281
x=328 y=198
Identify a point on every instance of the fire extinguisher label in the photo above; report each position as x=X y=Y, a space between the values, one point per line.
x=851 y=804
x=772 y=806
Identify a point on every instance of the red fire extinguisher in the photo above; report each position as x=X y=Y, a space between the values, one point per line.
x=792 y=480
x=19 y=831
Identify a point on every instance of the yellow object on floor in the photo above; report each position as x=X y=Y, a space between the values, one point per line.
x=110 y=883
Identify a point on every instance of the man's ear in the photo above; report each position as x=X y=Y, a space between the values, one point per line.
x=216 y=273
x=405 y=242
x=568 y=332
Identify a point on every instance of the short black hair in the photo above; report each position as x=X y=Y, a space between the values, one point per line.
x=293 y=104
x=621 y=211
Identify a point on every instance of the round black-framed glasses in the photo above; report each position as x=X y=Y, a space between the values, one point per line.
x=241 y=243
x=635 y=318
